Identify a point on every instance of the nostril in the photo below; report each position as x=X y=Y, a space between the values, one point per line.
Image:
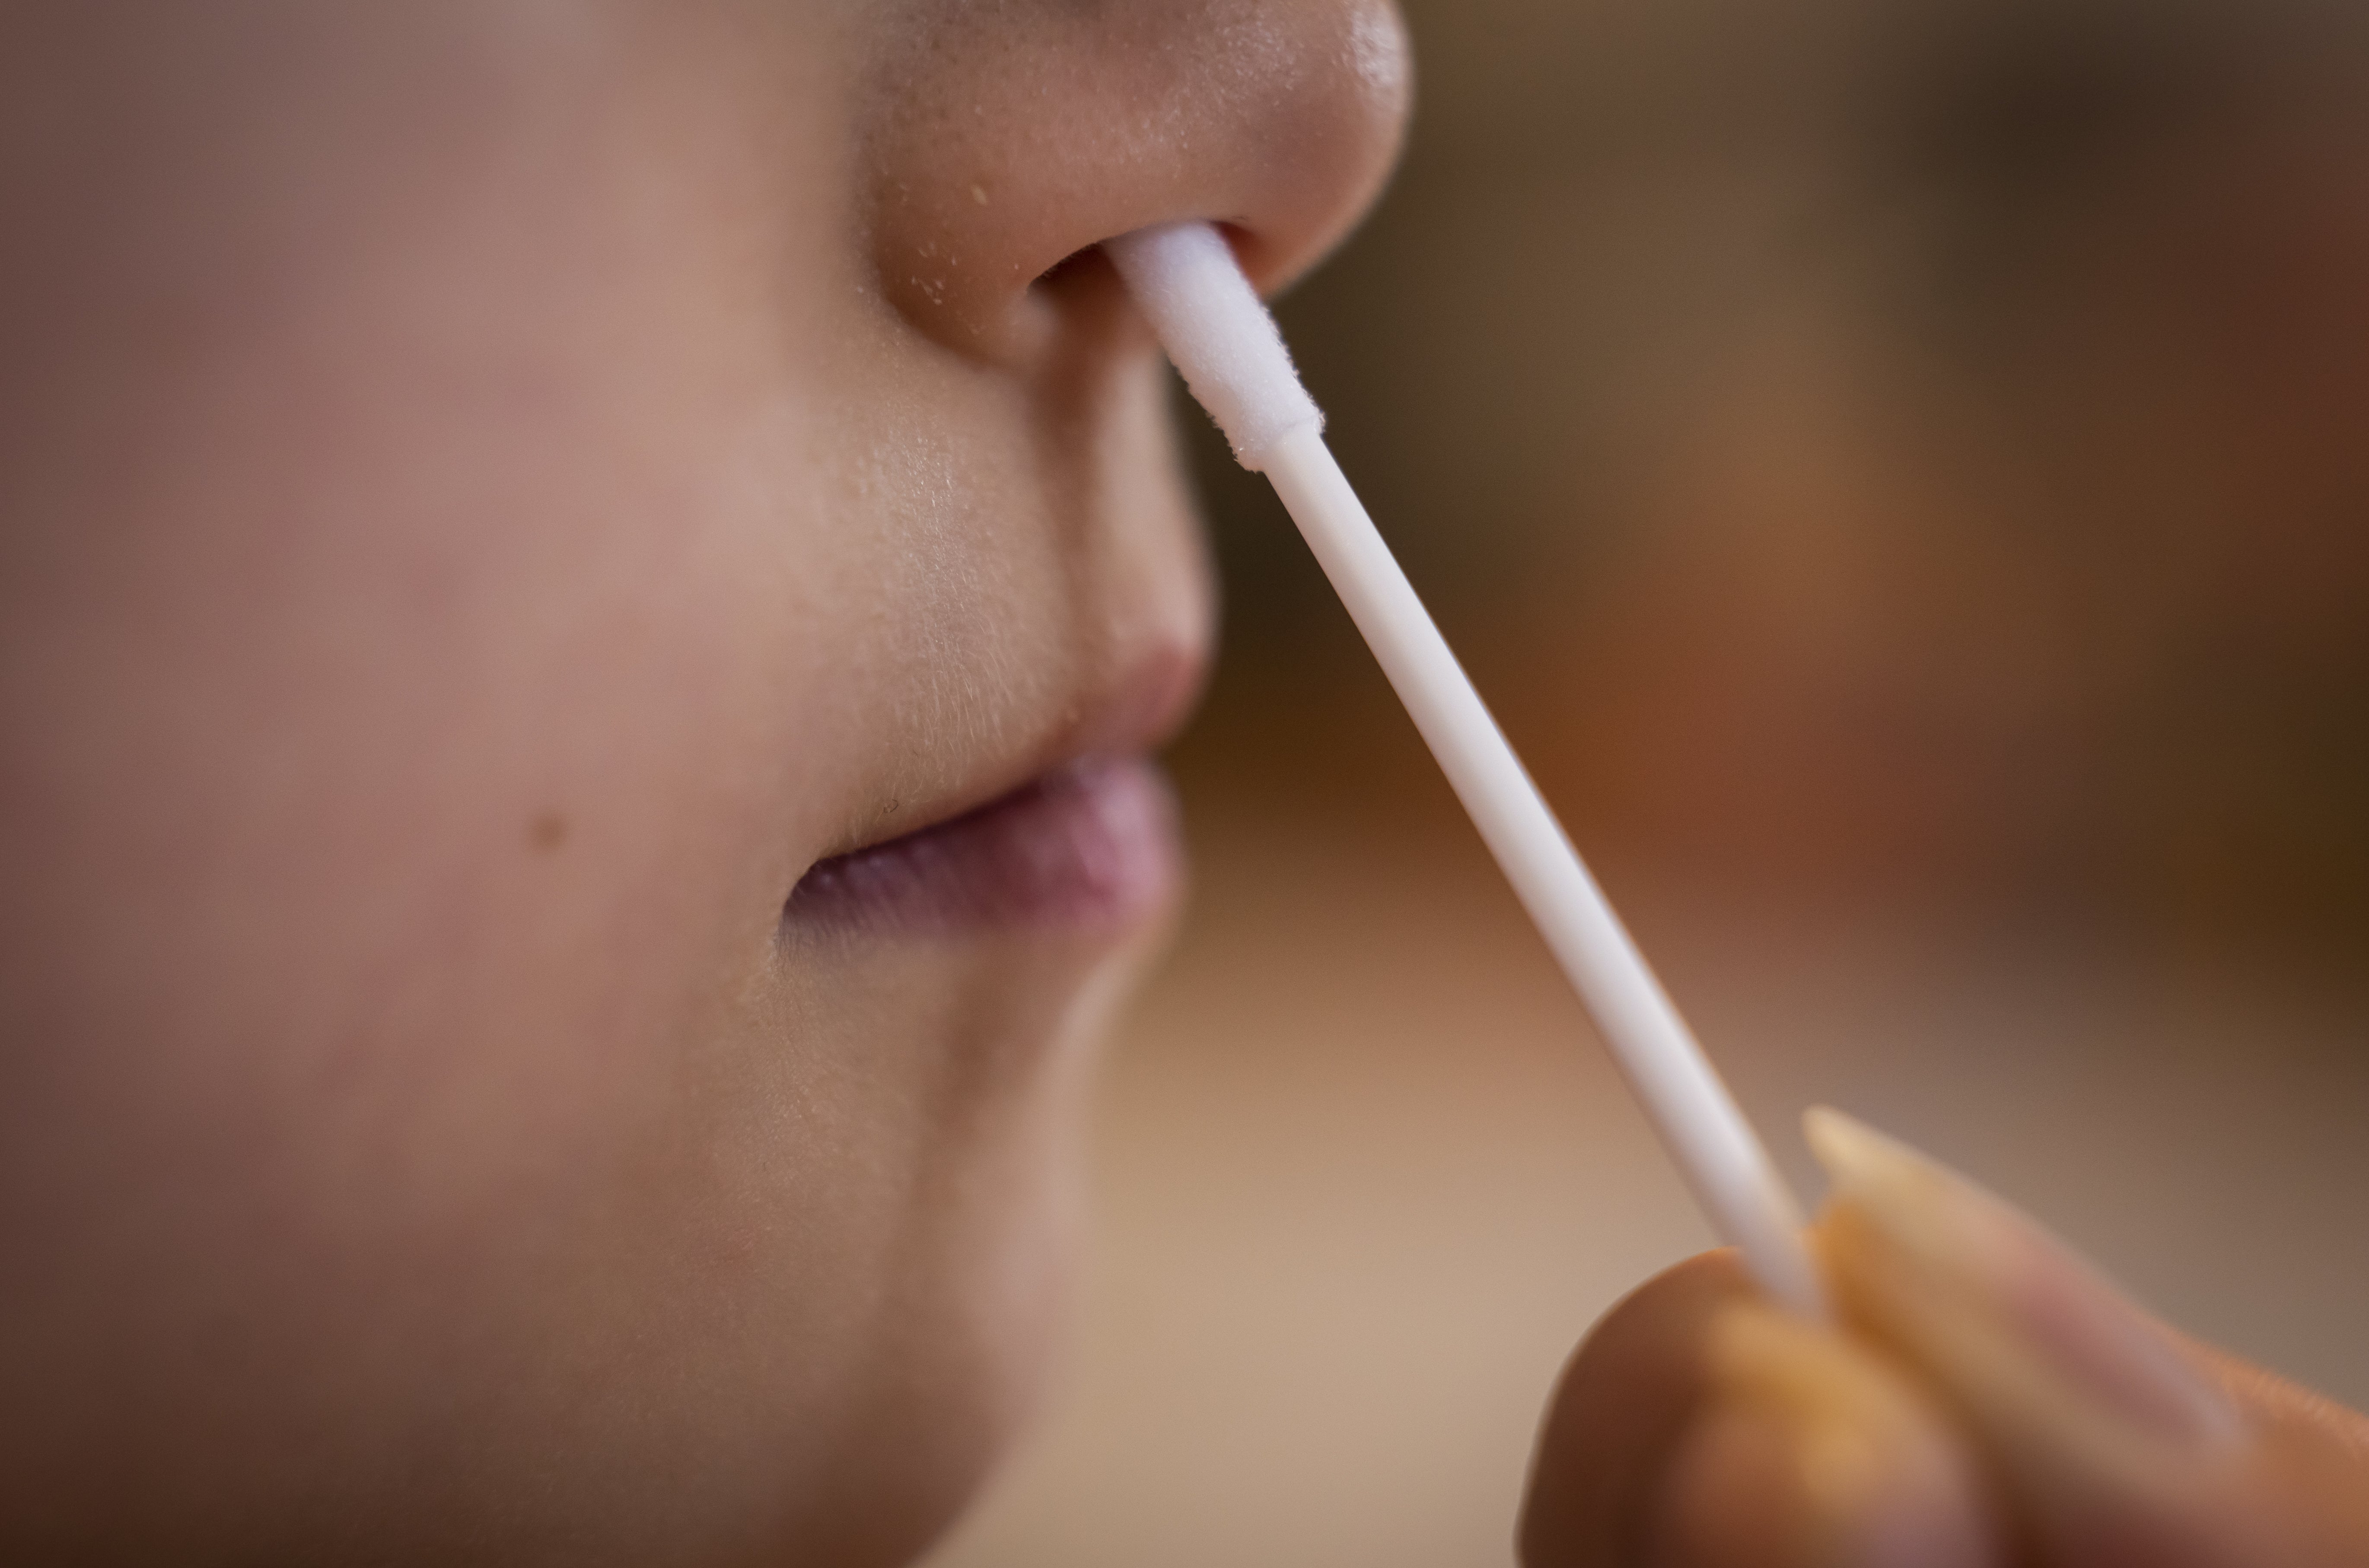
x=1066 y=275
x=1084 y=297
x=1080 y=299
x=1090 y=269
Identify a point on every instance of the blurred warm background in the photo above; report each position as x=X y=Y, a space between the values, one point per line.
x=1900 y=469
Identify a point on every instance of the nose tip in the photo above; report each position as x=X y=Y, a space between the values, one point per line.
x=1012 y=137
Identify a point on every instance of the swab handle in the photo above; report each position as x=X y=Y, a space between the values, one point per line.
x=1187 y=284
x=1721 y=1158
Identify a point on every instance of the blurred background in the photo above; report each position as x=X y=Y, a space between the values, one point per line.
x=1900 y=471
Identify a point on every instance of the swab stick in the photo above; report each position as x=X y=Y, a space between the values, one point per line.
x=1187 y=284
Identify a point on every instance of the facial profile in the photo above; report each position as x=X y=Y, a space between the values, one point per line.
x=587 y=596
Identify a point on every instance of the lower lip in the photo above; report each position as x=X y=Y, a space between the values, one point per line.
x=1092 y=846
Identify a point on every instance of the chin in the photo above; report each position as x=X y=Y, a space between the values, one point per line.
x=972 y=1320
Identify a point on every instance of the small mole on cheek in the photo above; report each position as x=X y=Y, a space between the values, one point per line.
x=547 y=831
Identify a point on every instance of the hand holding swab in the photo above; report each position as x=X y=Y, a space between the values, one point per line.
x=1187 y=284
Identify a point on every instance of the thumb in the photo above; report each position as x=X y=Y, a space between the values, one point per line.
x=2116 y=1441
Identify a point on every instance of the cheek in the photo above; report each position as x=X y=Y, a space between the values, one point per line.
x=409 y=758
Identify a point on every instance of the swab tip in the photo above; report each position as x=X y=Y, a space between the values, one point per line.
x=1217 y=333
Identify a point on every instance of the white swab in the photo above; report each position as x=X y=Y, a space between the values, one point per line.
x=1187 y=284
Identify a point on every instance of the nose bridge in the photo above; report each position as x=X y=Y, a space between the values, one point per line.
x=1010 y=136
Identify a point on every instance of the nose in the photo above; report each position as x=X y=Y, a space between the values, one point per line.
x=1012 y=136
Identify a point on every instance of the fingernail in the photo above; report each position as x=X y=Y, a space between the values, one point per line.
x=1969 y=1272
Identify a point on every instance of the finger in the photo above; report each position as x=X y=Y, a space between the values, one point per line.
x=1811 y=1452
x=2119 y=1442
x=1625 y=1399
x=1698 y=1428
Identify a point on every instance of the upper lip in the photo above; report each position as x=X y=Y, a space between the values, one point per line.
x=1133 y=714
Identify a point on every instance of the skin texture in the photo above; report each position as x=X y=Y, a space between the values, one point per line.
x=495 y=492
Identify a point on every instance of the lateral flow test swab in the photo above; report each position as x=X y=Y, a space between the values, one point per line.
x=1186 y=283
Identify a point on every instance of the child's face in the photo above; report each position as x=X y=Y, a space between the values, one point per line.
x=495 y=493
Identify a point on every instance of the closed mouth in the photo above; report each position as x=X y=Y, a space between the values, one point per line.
x=1091 y=844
